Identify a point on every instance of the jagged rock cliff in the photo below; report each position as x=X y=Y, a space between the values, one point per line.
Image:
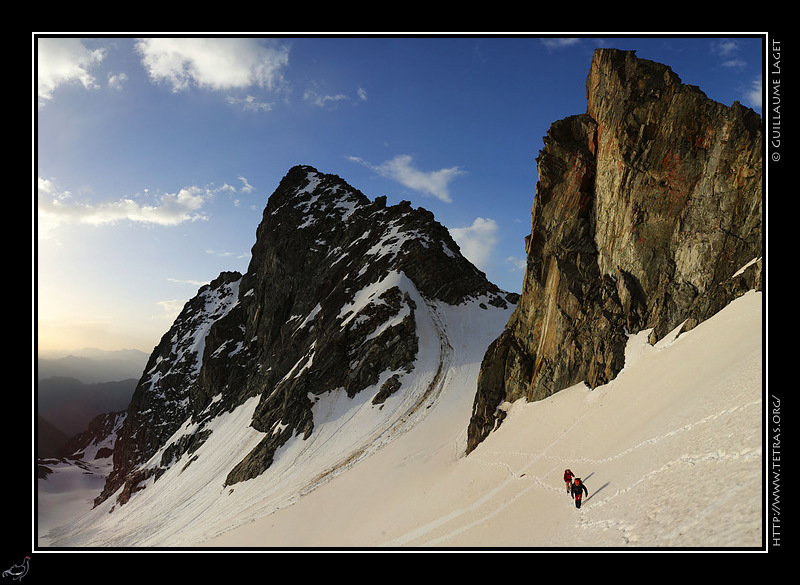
x=647 y=215
x=330 y=301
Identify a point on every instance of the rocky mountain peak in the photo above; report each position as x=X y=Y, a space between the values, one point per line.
x=330 y=301
x=647 y=215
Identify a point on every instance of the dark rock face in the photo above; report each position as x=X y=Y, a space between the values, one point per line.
x=324 y=305
x=98 y=432
x=647 y=206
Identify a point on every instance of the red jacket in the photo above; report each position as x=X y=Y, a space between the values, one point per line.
x=568 y=475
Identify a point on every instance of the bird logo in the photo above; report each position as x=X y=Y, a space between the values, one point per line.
x=17 y=572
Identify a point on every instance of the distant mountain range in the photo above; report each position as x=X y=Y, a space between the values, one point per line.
x=69 y=404
x=73 y=389
x=92 y=365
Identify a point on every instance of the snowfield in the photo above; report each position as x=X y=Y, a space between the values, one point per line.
x=670 y=451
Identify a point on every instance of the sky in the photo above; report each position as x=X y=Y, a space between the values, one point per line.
x=155 y=157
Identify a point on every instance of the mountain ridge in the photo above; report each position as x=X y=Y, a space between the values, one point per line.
x=331 y=300
x=70 y=404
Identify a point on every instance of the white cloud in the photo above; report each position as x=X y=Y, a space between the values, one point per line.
x=477 y=241
x=56 y=208
x=552 y=44
x=754 y=96
x=171 y=308
x=116 y=81
x=213 y=63
x=61 y=61
x=735 y=64
x=517 y=264
x=321 y=99
x=725 y=47
x=250 y=103
x=246 y=186
x=400 y=169
x=191 y=282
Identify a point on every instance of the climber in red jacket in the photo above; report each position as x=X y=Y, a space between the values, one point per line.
x=568 y=475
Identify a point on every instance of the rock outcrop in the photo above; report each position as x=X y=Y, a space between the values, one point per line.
x=328 y=302
x=647 y=215
x=97 y=441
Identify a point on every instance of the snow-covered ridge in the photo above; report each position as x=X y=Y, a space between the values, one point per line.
x=188 y=342
x=313 y=202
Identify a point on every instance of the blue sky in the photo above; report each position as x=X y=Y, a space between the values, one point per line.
x=155 y=157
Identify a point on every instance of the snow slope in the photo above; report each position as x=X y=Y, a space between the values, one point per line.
x=70 y=487
x=671 y=453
